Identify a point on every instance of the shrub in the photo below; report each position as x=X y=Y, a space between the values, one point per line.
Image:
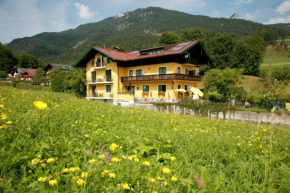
x=3 y=74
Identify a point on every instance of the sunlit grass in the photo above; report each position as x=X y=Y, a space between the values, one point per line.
x=75 y=145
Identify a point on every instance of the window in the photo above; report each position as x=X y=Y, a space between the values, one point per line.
x=108 y=88
x=186 y=71
x=179 y=86
x=98 y=62
x=103 y=61
x=194 y=72
x=139 y=72
x=131 y=73
x=93 y=76
x=108 y=60
x=185 y=87
x=145 y=88
x=93 y=63
x=162 y=70
x=178 y=70
x=161 y=88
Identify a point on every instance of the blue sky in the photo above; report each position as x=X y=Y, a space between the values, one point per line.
x=24 y=18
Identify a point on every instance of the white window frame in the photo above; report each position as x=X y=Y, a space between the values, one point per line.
x=141 y=71
x=162 y=67
x=162 y=85
x=179 y=68
x=129 y=72
x=146 y=85
x=185 y=71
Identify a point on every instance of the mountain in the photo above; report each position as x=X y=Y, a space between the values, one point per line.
x=133 y=30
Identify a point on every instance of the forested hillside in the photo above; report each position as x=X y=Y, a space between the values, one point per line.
x=135 y=30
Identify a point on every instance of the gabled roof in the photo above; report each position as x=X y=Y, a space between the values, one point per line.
x=174 y=49
x=62 y=66
x=29 y=72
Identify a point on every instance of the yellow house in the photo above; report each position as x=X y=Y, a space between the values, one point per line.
x=147 y=75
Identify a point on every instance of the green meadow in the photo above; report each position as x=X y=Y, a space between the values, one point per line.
x=75 y=145
x=275 y=62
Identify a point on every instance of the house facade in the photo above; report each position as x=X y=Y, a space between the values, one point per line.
x=148 y=75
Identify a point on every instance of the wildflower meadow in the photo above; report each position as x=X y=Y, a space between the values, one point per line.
x=55 y=142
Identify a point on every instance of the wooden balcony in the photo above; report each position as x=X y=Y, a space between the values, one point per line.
x=160 y=77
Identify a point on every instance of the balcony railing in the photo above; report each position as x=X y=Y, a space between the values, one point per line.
x=98 y=66
x=160 y=77
x=100 y=81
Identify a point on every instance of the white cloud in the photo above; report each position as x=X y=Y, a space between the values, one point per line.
x=25 y=18
x=215 y=13
x=279 y=20
x=249 y=16
x=84 y=11
x=238 y=2
x=283 y=8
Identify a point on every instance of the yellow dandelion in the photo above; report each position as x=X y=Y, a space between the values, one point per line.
x=52 y=182
x=146 y=163
x=165 y=183
x=112 y=175
x=173 y=178
x=166 y=170
x=125 y=186
x=65 y=170
x=84 y=174
x=80 y=182
x=151 y=180
x=92 y=161
x=173 y=158
x=102 y=156
x=113 y=146
x=136 y=160
x=40 y=105
x=114 y=159
x=50 y=160
x=1 y=106
x=238 y=144
x=9 y=122
x=35 y=161
x=41 y=179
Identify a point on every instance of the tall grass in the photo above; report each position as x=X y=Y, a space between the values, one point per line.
x=77 y=145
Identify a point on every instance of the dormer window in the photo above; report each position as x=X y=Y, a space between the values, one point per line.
x=93 y=63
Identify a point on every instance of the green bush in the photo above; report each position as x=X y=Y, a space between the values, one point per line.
x=3 y=74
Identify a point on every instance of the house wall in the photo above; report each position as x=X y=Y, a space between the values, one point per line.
x=118 y=86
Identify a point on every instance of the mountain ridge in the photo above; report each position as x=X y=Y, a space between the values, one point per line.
x=134 y=30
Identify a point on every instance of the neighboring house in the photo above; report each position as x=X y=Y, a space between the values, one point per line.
x=28 y=74
x=147 y=75
x=51 y=66
x=16 y=72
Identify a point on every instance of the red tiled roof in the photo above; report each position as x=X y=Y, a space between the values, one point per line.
x=127 y=56
x=29 y=72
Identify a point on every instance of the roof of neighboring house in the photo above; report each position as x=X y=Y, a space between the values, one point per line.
x=62 y=66
x=174 y=49
x=29 y=72
x=19 y=70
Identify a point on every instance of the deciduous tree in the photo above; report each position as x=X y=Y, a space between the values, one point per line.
x=225 y=82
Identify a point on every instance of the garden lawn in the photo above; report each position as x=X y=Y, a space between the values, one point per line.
x=76 y=145
x=276 y=62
